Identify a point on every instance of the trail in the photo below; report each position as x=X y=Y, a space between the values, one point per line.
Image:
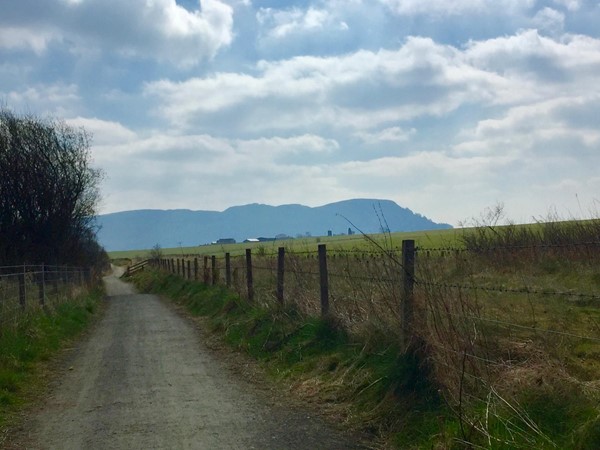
x=144 y=380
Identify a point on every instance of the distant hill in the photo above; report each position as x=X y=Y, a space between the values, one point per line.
x=142 y=229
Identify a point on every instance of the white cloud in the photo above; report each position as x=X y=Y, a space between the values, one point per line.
x=549 y=20
x=353 y=98
x=365 y=89
x=202 y=153
x=393 y=134
x=360 y=90
x=277 y=146
x=55 y=99
x=541 y=128
x=252 y=169
x=571 y=5
x=103 y=132
x=455 y=7
x=21 y=38
x=283 y=22
x=538 y=64
x=157 y=29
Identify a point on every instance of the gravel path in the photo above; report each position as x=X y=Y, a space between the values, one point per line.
x=144 y=380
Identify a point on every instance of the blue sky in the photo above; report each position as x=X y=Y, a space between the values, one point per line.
x=446 y=107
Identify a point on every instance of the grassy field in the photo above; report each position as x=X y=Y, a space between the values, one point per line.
x=506 y=320
x=435 y=399
x=435 y=238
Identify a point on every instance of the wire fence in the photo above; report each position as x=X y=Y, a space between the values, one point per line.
x=366 y=286
x=28 y=288
x=484 y=315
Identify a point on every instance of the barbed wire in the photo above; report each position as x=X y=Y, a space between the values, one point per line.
x=508 y=247
x=522 y=290
x=542 y=330
x=17 y=298
x=365 y=252
x=516 y=325
x=427 y=284
x=361 y=278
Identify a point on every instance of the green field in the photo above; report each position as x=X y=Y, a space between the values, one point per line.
x=432 y=238
x=508 y=319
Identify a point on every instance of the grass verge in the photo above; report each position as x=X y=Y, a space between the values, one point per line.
x=367 y=382
x=25 y=347
x=364 y=380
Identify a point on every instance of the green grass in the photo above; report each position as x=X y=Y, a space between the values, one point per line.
x=434 y=238
x=375 y=387
x=36 y=339
x=527 y=350
x=369 y=377
x=454 y=238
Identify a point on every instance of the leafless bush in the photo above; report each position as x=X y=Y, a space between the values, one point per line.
x=48 y=193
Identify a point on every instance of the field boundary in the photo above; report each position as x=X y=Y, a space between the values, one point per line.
x=25 y=288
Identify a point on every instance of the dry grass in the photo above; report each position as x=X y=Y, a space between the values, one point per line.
x=509 y=323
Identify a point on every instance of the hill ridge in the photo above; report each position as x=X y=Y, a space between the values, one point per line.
x=144 y=228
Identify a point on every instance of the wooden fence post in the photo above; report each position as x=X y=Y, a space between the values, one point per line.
x=249 y=281
x=408 y=266
x=42 y=286
x=213 y=266
x=178 y=264
x=228 y=269
x=206 y=279
x=55 y=280
x=280 y=272
x=324 y=280
x=22 y=290
x=196 y=269
x=172 y=266
x=189 y=270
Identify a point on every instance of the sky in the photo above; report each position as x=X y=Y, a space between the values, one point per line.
x=447 y=107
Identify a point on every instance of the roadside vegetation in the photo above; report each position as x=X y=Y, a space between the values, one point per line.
x=28 y=346
x=50 y=260
x=506 y=348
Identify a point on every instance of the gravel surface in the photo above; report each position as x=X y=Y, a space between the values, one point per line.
x=143 y=379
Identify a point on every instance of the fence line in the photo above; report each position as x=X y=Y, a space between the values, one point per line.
x=211 y=274
x=482 y=315
x=27 y=287
x=522 y=290
x=261 y=276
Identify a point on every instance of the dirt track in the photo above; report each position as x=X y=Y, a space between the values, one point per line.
x=144 y=380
